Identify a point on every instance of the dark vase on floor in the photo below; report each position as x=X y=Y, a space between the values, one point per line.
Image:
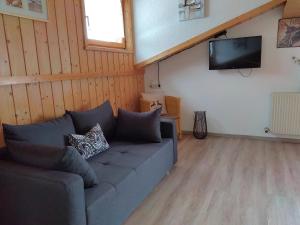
x=200 y=125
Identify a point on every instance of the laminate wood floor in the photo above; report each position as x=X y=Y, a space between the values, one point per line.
x=227 y=181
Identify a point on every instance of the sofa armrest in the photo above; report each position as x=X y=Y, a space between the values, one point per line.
x=168 y=130
x=31 y=196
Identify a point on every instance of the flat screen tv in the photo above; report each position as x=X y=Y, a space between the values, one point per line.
x=235 y=53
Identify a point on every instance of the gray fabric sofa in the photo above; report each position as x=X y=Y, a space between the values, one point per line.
x=128 y=172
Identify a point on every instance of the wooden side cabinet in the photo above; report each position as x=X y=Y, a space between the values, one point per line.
x=173 y=109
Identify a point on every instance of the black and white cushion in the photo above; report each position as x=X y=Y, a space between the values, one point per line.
x=90 y=144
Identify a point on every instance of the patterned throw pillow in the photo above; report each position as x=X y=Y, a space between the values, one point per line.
x=90 y=144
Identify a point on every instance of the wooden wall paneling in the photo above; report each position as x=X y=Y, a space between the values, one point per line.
x=4 y=60
x=99 y=90
x=7 y=109
x=34 y=52
x=74 y=52
x=129 y=84
x=82 y=54
x=117 y=80
x=105 y=84
x=17 y=64
x=99 y=68
x=111 y=81
x=141 y=84
x=134 y=82
x=123 y=87
x=54 y=63
x=42 y=57
x=98 y=62
x=32 y=68
x=131 y=62
x=64 y=52
x=127 y=93
x=121 y=62
x=133 y=86
x=91 y=81
x=122 y=82
x=85 y=94
x=30 y=79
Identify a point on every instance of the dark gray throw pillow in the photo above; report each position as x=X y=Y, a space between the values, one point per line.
x=52 y=133
x=90 y=144
x=136 y=126
x=85 y=121
x=65 y=159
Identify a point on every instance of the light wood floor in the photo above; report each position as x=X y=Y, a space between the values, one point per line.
x=227 y=181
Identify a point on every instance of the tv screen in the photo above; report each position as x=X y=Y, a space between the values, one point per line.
x=235 y=53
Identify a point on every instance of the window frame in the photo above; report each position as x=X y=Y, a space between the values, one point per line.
x=127 y=42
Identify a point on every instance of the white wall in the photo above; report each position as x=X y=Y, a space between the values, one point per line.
x=234 y=104
x=157 y=26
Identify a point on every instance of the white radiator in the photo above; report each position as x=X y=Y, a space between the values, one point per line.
x=286 y=114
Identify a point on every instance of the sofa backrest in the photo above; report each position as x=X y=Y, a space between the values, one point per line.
x=52 y=133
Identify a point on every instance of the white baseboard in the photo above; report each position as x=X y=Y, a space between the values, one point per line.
x=277 y=139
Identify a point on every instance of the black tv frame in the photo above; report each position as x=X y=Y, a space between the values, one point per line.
x=234 y=67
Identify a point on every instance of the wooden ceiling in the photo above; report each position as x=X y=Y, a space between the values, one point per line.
x=211 y=33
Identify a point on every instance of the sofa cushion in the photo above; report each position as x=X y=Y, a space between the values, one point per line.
x=132 y=170
x=85 y=121
x=90 y=144
x=65 y=159
x=136 y=126
x=52 y=133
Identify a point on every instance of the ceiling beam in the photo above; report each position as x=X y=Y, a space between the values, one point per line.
x=212 y=32
x=292 y=9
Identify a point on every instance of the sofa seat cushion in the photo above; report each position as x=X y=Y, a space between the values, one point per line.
x=117 y=176
x=131 y=171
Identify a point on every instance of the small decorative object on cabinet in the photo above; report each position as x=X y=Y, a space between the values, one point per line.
x=200 y=125
x=172 y=107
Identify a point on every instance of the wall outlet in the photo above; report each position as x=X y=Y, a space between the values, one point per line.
x=154 y=85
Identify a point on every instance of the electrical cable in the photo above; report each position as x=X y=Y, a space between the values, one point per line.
x=158 y=75
x=245 y=75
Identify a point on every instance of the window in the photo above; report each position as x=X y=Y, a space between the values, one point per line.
x=104 y=23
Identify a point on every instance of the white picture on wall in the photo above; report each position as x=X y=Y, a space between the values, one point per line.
x=191 y=9
x=31 y=9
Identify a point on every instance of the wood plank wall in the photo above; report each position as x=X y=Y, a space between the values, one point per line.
x=30 y=47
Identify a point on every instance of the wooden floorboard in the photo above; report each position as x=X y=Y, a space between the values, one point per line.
x=227 y=181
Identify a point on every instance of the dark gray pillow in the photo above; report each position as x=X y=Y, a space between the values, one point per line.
x=136 y=126
x=90 y=144
x=65 y=159
x=52 y=133
x=85 y=121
